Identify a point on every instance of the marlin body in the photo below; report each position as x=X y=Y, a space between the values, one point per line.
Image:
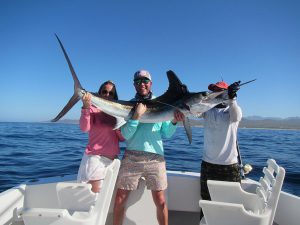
x=160 y=109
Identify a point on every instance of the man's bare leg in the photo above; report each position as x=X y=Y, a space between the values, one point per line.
x=161 y=207
x=119 y=207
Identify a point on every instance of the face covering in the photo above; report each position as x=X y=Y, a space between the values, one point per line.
x=221 y=105
x=143 y=98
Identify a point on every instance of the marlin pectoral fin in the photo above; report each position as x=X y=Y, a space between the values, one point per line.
x=73 y=100
x=119 y=122
x=188 y=129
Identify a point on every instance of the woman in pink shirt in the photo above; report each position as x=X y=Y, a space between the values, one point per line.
x=103 y=145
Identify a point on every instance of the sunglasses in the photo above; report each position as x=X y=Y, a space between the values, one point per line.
x=105 y=92
x=140 y=81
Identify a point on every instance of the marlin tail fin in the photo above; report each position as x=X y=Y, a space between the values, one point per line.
x=73 y=100
x=77 y=86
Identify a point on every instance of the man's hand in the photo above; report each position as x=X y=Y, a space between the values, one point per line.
x=178 y=116
x=140 y=109
x=232 y=89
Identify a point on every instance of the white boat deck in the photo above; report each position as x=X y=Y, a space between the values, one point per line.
x=183 y=202
x=175 y=218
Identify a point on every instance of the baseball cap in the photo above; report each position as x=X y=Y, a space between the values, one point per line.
x=218 y=86
x=141 y=74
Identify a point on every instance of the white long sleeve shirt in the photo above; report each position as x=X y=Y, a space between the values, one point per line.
x=220 y=134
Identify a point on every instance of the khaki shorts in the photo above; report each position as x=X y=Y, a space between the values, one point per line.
x=137 y=164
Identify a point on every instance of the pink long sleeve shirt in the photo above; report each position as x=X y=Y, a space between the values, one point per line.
x=103 y=140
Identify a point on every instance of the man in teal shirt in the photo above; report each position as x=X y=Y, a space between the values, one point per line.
x=144 y=155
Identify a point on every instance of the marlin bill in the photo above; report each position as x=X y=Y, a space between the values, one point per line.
x=160 y=109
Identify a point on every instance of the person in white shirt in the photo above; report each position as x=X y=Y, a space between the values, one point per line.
x=220 y=156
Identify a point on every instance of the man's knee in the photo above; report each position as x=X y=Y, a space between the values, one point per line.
x=159 y=199
x=121 y=197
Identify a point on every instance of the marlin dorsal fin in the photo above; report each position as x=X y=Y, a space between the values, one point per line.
x=175 y=91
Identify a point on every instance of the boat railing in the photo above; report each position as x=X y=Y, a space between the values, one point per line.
x=13 y=199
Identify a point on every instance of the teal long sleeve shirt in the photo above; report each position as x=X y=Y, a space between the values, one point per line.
x=147 y=137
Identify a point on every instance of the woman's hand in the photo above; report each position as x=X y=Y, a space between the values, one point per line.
x=86 y=100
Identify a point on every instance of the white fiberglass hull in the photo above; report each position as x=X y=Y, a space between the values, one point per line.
x=183 y=197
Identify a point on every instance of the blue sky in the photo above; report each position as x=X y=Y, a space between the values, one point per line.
x=201 y=40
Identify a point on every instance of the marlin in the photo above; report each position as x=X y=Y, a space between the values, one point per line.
x=177 y=97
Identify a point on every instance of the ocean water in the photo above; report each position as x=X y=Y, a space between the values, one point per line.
x=29 y=151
